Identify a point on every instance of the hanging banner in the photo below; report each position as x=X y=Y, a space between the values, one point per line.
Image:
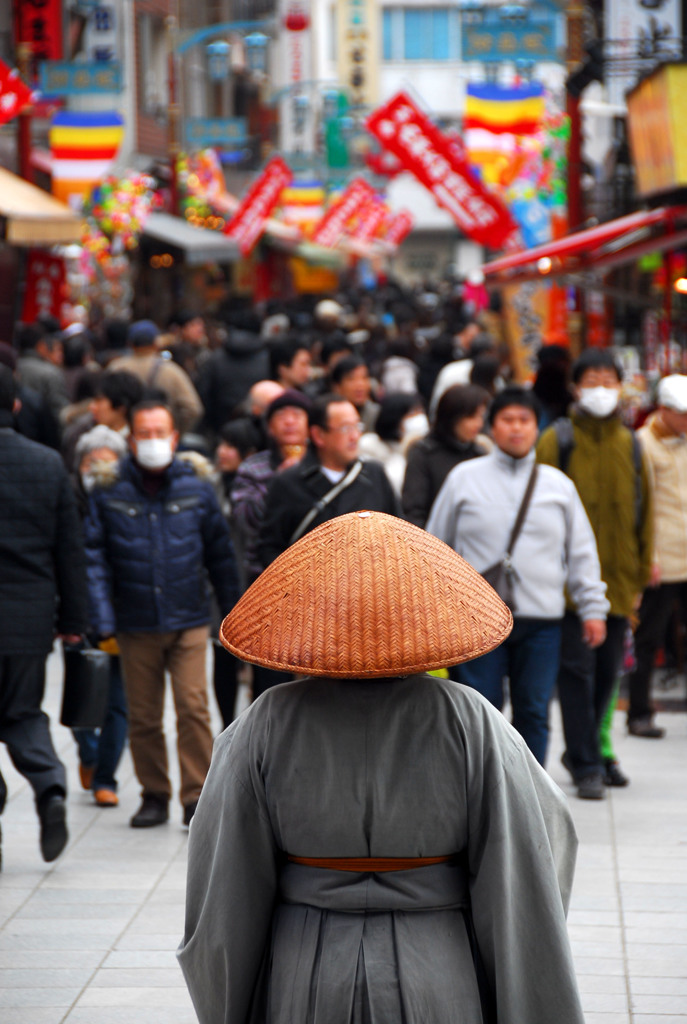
x=369 y=219
x=83 y=146
x=294 y=77
x=435 y=160
x=45 y=286
x=248 y=222
x=14 y=94
x=400 y=227
x=332 y=225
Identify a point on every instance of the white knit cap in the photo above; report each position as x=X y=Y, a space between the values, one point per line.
x=672 y=392
x=327 y=309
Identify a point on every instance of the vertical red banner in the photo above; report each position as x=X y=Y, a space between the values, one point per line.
x=45 y=286
x=248 y=222
x=39 y=22
x=331 y=227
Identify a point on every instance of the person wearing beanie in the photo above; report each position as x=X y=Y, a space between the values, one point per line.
x=664 y=443
x=475 y=512
x=160 y=373
x=286 y=426
x=374 y=844
x=604 y=461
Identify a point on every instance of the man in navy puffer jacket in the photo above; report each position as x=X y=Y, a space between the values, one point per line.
x=155 y=539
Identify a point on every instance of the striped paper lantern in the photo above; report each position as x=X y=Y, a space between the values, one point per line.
x=83 y=146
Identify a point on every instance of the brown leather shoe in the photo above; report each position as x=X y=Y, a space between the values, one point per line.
x=86 y=773
x=106 y=798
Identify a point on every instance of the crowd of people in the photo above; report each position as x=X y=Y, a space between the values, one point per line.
x=150 y=474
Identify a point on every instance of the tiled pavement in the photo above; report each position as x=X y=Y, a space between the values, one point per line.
x=91 y=938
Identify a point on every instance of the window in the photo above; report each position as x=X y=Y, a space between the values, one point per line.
x=420 y=33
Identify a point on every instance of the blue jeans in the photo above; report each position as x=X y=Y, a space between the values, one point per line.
x=529 y=658
x=103 y=748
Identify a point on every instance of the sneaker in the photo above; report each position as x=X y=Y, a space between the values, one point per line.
x=189 y=811
x=52 y=814
x=613 y=776
x=591 y=787
x=153 y=811
x=106 y=798
x=646 y=728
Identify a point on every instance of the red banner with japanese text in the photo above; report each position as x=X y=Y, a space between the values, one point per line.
x=45 y=286
x=436 y=161
x=248 y=222
x=331 y=227
x=39 y=22
x=400 y=226
x=370 y=218
x=14 y=94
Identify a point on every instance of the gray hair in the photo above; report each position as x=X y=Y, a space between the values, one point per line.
x=100 y=437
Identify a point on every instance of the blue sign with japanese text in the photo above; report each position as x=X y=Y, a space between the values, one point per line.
x=215 y=131
x=72 y=78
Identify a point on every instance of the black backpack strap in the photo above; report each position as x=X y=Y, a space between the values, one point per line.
x=637 y=459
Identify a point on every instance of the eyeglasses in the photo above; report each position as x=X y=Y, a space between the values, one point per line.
x=347 y=428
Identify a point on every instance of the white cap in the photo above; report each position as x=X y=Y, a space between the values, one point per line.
x=672 y=392
x=327 y=309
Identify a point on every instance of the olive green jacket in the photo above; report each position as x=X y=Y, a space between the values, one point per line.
x=602 y=467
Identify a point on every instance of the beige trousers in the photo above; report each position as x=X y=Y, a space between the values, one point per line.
x=145 y=657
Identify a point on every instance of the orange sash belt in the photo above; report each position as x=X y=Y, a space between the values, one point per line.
x=375 y=864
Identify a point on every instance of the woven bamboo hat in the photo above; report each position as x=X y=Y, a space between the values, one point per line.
x=365 y=595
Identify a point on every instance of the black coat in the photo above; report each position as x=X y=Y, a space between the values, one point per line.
x=149 y=558
x=293 y=493
x=429 y=462
x=228 y=374
x=42 y=561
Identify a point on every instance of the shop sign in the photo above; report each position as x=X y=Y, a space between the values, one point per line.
x=14 y=94
x=436 y=161
x=332 y=225
x=248 y=222
x=39 y=22
x=488 y=37
x=655 y=122
x=400 y=227
x=73 y=78
x=215 y=132
x=357 y=47
x=45 y=286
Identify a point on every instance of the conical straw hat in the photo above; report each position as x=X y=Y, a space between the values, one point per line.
x=364 y=595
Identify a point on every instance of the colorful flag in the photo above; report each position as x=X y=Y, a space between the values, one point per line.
x=83 y=146
x=302 y=204
x=436 y=161
x=248 y=222
x=14 y=94
x=518 y=110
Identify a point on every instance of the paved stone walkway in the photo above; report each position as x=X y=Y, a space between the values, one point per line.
x=90 y=939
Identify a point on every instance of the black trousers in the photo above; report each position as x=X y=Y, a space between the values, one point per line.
x=225 y=681
x=585 y=683
x=24 y=728
x=655 y=612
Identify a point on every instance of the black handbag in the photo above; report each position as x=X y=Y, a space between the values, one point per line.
x=86 y=686
x=501 y=576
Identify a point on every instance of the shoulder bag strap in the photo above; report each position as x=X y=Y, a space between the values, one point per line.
x=322 y=502
x=522 y=511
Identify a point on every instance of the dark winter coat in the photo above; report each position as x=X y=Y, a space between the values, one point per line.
x=293 y=493
x=149 y=558
x=429 y=462
x=42 y=563
x=228 y=374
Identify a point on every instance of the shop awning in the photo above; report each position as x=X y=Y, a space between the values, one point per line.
x=199 y=245
x=603 y=247
x=30 y=216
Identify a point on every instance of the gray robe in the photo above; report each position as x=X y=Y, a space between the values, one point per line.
x=414 y=767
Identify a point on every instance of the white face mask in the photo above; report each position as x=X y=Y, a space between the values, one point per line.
x=415 y=426
x=88 y=481
x=599 y=402
x=155 y=453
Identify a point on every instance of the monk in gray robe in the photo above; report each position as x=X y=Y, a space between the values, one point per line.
x=376 y=845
